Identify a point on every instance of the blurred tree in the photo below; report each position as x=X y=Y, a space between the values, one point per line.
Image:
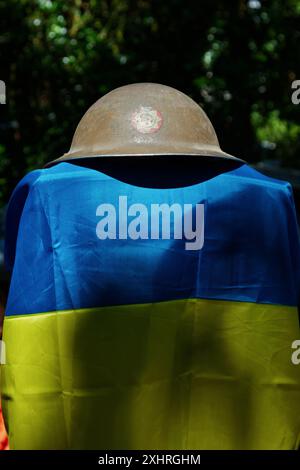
x=237 y=59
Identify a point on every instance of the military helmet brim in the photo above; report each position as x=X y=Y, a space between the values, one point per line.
x=147 y=120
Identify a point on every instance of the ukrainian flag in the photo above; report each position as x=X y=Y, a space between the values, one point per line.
x=142 y=344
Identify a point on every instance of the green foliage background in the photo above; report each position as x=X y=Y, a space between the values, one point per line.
x=237 y=58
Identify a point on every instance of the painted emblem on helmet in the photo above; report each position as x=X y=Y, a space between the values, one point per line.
x=147 y=120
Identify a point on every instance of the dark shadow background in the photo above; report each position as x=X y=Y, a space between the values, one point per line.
x=237 y=59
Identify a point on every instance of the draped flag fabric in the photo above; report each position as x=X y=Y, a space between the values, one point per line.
x=140 y=343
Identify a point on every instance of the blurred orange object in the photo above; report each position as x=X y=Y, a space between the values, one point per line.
x=3 y=435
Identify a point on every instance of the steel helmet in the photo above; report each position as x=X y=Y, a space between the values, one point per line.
x=144 y=119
